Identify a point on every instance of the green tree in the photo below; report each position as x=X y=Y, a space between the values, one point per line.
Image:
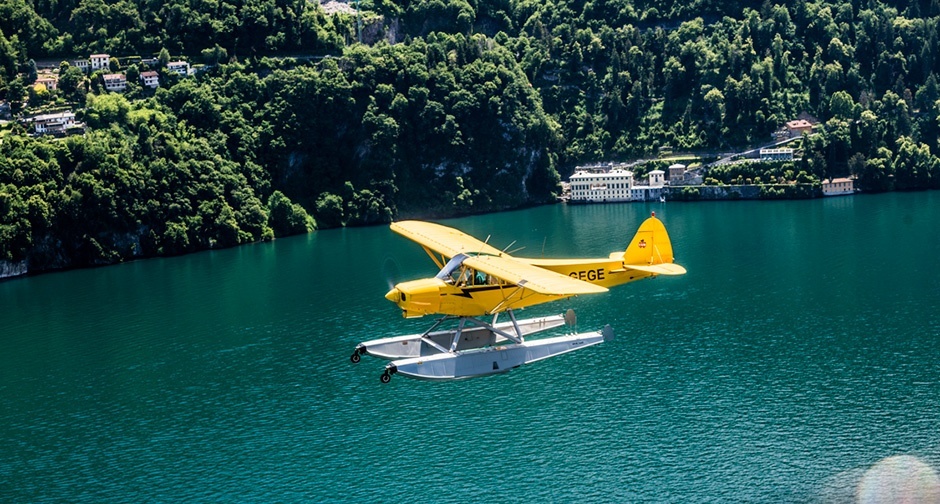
x=106 y=109
x=287 y=218
x=163 y=57
x=877 y=172
x=16 y=93
x=897 y=115
x=132 y=74
x=914 y=166
x=928 y=94
x=842 y=106
x=71 y=82
x=329 y=210
x=8 y=60
x=18 y=19
x=31 y=71
x=214 y=55
x=38 y=95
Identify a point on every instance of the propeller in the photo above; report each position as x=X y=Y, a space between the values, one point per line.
x=390 y=271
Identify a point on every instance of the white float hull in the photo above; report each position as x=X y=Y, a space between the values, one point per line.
x=494 y=359
x=400 y=347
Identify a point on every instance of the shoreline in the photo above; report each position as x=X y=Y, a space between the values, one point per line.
x=15 y=270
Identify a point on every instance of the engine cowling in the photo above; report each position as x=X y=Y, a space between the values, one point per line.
x=417 y=298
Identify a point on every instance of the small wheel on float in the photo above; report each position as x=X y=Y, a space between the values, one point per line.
x=385 y=378
x=354 y=358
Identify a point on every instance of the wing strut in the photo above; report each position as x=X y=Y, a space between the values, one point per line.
x=438 y=262
x=506 y=299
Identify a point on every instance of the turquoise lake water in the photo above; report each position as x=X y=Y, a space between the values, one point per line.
x=802 y=348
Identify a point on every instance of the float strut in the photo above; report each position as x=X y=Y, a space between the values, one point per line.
x=357 y=353
x=389 y=371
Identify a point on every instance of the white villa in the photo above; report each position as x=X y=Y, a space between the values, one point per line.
x=150 y=79
x=599 y=187
x=99 y=61
x=180 y=67
x=51 y=123
x=596 y=185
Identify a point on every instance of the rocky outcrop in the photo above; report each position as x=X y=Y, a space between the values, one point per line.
x=12 y=269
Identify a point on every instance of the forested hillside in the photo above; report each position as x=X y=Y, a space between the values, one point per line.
x=448 y=107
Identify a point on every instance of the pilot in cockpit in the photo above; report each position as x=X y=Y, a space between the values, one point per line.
x=470 y=277
x=456 y=273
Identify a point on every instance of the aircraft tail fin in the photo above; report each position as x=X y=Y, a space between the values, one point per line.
x=651 y=251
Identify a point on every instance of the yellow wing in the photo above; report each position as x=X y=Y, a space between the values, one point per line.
x=531 y=277
x=442 y=239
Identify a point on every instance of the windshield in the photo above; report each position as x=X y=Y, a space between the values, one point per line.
x=451 y=266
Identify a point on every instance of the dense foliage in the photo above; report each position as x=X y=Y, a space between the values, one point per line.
x=348 y=138
x=450 y=107
x=625 y=88
x=142 y=184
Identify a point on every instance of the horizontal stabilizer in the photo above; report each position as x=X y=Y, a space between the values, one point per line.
x=658 y=269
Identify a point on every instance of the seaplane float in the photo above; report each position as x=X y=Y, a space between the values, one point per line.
x=476 y=280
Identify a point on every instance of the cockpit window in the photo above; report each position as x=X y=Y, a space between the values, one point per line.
x=453 y=266
x=456 y=273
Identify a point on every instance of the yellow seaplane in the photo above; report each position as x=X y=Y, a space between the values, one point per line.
x=478 y=280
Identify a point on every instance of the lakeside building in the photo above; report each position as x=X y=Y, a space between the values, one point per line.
x=676 y=172
x=597 y=185
x=651 y=191
x=613 y=184
x=780 y=154
x=838 y=187
x=680 y=175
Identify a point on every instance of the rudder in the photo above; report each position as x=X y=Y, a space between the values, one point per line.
x=650 y=245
